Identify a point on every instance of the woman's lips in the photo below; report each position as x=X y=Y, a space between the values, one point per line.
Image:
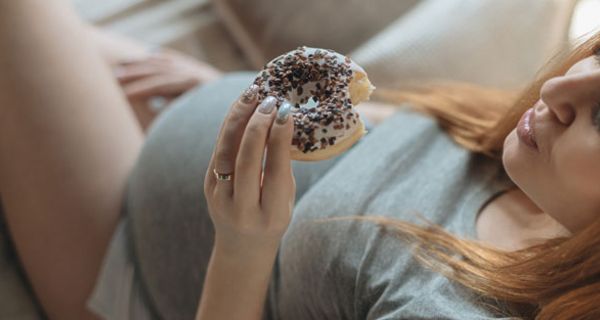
x=525 y=129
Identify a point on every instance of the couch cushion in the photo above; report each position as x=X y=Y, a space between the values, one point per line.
x=489 y=42
x=266 y=28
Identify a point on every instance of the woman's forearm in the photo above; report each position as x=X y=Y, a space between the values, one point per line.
x=236 y=284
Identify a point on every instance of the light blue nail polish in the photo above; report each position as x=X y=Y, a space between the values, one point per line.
x=284 y=112
x=267 y=105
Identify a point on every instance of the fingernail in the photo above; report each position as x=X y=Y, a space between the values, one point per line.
x=284 y=112
x=267 y=105
x=249 y=94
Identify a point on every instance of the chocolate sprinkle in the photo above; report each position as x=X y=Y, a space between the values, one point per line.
x=320 y=75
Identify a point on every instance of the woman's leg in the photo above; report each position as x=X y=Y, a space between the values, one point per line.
x=68 y=141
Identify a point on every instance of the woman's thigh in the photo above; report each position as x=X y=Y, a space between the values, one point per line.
x=170 y=227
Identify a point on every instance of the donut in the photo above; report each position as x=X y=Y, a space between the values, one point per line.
x=323 y=86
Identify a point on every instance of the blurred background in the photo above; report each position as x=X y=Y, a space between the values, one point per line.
x=499 y=43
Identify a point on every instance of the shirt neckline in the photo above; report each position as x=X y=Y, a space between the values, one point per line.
x=490 y=190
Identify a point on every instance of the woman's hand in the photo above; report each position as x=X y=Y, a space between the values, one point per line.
x=251 y=211
x=152 y=81
x=166 y=73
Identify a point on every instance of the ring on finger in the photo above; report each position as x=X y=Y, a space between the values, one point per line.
x=221 y=176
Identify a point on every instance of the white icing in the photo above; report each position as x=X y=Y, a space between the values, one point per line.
x=348 y=114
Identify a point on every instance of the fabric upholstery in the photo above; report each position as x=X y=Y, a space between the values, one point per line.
x=489 y=42
x=266 y=28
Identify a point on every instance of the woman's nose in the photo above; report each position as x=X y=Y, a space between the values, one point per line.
x=560 y=95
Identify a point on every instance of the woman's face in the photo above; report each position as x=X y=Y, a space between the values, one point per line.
x=561 y=174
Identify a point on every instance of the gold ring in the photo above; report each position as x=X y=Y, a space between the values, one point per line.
x=221 y=176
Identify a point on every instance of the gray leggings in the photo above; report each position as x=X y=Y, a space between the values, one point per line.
x=166 y=235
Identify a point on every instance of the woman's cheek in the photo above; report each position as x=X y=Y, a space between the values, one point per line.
x=575 y=173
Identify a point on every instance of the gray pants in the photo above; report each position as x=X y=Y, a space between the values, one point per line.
x=157 y=260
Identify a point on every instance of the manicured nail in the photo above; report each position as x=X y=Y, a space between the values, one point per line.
x=267 y=105
x=284 y=112
x=249 y=94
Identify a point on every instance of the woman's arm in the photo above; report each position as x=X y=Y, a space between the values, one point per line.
x=251 y=211
x=236 y=283
x=67 y=144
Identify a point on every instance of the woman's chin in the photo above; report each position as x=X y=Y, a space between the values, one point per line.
x=512 y=159
x=510 y=147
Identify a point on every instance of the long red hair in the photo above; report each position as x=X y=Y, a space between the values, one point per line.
x=556 y=279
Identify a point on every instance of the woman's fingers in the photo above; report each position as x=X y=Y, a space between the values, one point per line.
x=238 y=210
x=278 y=177
x=159 y=85
x=128 y=73
x=248 y=166
x=228 y=142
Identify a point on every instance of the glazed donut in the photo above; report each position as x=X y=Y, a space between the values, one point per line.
x=323 y=86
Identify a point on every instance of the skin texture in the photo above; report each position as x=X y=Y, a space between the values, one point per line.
x=558 y=185
x=166 y=74
x=250 y=212
x=66 y=152
x=144 y=75
x=68 y=141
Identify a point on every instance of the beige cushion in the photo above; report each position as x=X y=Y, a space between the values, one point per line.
x=266 y=28
x=491 y=42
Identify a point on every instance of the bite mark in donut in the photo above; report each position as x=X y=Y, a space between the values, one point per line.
x=323 y=86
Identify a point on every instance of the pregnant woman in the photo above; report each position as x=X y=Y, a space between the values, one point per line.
x=509 y=182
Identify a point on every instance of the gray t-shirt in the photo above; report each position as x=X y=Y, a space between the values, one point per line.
x=354 y=270
x=334 y=270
